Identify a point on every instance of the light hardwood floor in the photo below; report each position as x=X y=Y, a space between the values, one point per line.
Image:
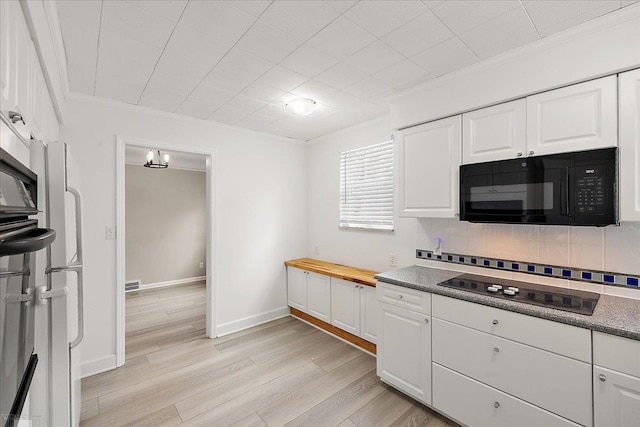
x=285 y=372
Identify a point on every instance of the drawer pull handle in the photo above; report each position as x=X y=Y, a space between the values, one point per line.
x=426 y=320
x=496 y=349
x=496 y=404
x=602 y=377
x=399 y=296
x=519 y=153
x=495 y=322
x=531 y=153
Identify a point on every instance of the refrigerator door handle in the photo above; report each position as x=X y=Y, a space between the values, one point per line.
x=76 y=267
x=78 y=204
x=79 y=271
x=80 y=336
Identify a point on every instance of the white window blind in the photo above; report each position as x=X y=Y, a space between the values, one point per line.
x=366 y=187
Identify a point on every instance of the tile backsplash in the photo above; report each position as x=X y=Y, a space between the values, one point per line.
x=612 y=248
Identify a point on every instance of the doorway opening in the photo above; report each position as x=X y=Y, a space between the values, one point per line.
x=165 y=247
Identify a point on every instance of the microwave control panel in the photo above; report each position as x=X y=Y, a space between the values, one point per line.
x=591 y=182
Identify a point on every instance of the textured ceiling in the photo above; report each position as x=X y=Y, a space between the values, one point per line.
x=238 y=62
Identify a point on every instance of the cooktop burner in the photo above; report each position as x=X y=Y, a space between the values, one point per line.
x=572 y=300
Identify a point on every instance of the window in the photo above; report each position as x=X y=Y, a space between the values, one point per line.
x=366 y=187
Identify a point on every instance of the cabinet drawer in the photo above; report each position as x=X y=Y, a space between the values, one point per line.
x=404 y=297
x=556 y=337
x=556 y=383
x=475 y=404
x=618 y=353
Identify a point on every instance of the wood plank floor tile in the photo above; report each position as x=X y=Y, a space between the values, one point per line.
x=384 y=410
x=252 y=420
x=280 y=372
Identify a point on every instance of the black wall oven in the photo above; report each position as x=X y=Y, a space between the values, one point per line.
x=20 y=237
x=561 y=189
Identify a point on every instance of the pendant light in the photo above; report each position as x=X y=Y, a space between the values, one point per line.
x=159 y=164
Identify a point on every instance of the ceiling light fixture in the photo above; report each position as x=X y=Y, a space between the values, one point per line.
x=159 y=164
x=301 y=106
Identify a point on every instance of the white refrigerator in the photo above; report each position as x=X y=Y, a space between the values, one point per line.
x=56 y=396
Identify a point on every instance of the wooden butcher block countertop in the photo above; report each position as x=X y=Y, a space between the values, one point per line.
x=352 y=274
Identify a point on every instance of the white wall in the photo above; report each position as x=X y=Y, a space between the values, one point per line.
x=260 y=211
x=359 y=248
x=166 y=224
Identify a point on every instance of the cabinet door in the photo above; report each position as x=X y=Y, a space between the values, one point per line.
x=368 y=314
x=297 y=288
x=629 y=151
x=429 y=158
x=37 y=95
x=616 y=398
x=319 y=296
x=573 y=118
x=495 y=133
x=404 y=351
x=15 y=59
x=345 y=305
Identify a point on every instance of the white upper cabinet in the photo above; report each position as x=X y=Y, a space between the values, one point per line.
x=629 y=150
x=495 y=133
x=429 y=157
x=573 y=118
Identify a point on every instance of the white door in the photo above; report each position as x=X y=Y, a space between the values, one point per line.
x=404 y=350
x=574 y=118
x=495 y=133
x=429 y=157
x=345 y=305
x=616 y=398
x=297 y=288
x=368 y=314
x=629 y=151
x=319 y=296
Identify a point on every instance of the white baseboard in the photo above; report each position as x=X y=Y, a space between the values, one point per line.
x=251 y=321
x=97 y=366
x=169 y=283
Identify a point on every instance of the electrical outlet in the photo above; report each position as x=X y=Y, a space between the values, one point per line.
x=438 y=249
x=201 y=264
x=110 y=233
x=393 y=261
x=316 y=250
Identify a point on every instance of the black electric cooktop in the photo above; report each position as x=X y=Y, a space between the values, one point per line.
x=572 y=300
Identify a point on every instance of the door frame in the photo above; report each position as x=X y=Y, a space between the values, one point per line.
x=211 y=236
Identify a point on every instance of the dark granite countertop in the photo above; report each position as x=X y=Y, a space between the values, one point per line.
x=612 y=315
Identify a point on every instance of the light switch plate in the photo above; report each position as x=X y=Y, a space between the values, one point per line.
x=110 y=233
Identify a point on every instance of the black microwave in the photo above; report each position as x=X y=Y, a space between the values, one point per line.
x=560 y=189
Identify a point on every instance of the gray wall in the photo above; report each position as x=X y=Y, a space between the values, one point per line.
x=165 y=224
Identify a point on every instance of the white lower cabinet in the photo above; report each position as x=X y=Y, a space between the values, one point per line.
x=404 y=350
x=309 y=292
x=616 y=381
x=297 y=288
x=616 y=398
x=351 y=308
x=319 y=296
x=556 y=383
x=368 y=314
x=473 y=403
